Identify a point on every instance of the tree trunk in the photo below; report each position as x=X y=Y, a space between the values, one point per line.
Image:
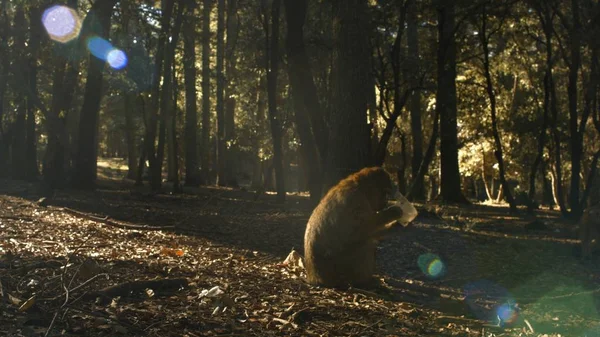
x=205 y=144
x=415 y=101
x=5 y=33
x=399 y=99
x=230 y=92
x=302 y=88
x=35 y=31
x=492 y=97
x=348 y=149
x=97 y=22
x=576 y=138
x=261 y=106
x=272 y=58
x=168 y=104
x=221 y=146
x=154 y=159
x=191 y=114
x=446 y=104
x=424 y=167
x=130 y=128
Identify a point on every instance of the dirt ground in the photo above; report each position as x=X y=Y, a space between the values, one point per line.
x=209 y=263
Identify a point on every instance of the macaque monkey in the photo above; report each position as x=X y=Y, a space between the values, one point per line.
x=589 y=230
x=342 y=233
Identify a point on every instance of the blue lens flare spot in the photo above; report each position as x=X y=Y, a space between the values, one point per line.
x=431 y=265
x=117 y=59
x=507 y=313
x=99 y=47
x=62 y=23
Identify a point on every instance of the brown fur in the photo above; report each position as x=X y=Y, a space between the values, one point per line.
x=589 y=230
x=342 y=232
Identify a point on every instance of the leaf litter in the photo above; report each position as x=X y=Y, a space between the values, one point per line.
x=218 y=262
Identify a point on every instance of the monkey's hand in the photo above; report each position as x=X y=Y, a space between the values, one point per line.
x=388 y=215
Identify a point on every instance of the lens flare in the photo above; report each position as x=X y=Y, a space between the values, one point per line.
x=507 y=314
x=99 y=47
x=431 y=265
x=62 y=23
x=117 y=59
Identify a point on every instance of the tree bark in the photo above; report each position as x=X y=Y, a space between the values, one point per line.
x=154 y=158
x=576 y=138
x=415 y=101
x=168 y=104
x=97 y=22
x=272 y=52
x=205 y=147
x=230 y=89
x=221 y=146
x=5 y=33
x=191 y=114
x=492 y=97
x=304 y=97
x=35 y=31
x=446 y=103
x=132 y=154
x=348 y=150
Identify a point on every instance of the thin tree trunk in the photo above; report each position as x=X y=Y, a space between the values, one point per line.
x=191 y=113
x=35 y=31
x=221 y=146
x=492 y=97
x=428 y=157
x=168 y=104
x=576 y=137
x=154 y=159
x=130 y=128
x=272 y=48
x=5 y=33
x=415 y=101
x=230 y=91
x=205 y=147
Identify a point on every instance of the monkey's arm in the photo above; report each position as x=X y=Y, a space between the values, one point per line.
x=386 y=219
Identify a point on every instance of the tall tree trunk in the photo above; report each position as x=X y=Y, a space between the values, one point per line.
x=590 y=104
x=230 y=91
x=154 y=158
x=492 y=97
x=168 y=104
x=205 y=144
x=446 y=103
x=221 y=146
x=5 y=33
x=35 y=31
x=191 y=114
x=19 y=138
x=576 y=139
x=399 y=98
x=97 y=22
x=415 y=101
x=259 y=118
x=130 y=128
x=348 y=150
x=302 y=88
x=428 y=157
x=272 y=64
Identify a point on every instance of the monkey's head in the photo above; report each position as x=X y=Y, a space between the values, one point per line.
x=377 y=184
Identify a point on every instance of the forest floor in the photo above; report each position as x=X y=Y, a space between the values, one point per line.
x=119 y=261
